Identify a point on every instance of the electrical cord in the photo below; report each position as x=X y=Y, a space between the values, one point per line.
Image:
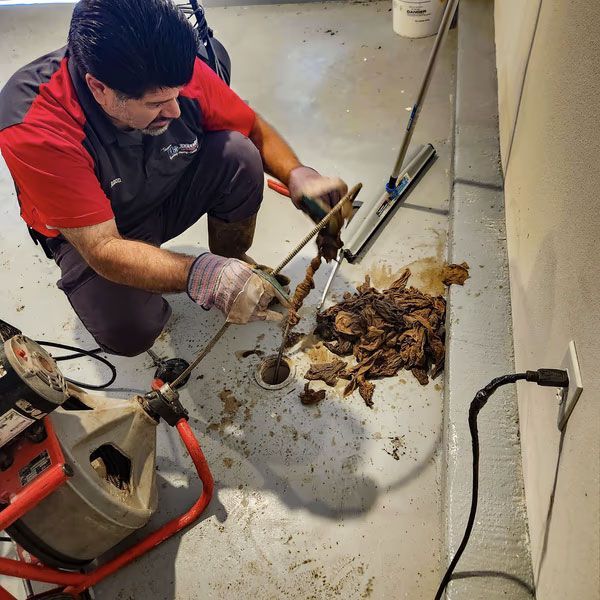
x=78 y=353
x=543 y=377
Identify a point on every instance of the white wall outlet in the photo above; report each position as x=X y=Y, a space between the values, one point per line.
x=567 y=397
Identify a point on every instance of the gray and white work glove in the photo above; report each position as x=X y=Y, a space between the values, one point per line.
x=316 y=195
x=233 y=287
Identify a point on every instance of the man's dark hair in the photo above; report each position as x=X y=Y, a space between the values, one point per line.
x=133 y=46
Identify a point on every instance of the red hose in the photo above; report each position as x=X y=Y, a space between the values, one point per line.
x=278 y=187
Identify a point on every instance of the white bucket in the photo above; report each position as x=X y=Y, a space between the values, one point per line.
x=417 y=18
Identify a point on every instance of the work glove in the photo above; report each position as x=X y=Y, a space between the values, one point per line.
x=316 y=196
x=233 y=287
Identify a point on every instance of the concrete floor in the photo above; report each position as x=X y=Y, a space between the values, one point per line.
x=308 y=504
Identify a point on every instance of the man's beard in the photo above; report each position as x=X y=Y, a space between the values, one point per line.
x=155 y=131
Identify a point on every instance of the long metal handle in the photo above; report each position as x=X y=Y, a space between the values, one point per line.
x=416 y=109
x=336 y=267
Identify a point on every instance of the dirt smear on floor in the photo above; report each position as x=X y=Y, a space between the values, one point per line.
x=397 y=447
x=231 y=406
x=241 y=354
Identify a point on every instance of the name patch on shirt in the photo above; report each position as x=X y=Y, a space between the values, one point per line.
x=173 y=150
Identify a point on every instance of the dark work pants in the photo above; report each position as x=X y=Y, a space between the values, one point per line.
x=225 y=181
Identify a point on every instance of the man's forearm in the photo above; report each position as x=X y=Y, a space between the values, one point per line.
x=135 y=263
x=143 y=266
x=278 y=158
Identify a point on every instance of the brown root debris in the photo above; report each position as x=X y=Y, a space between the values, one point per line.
x=328 y=372
x=329 y=244
x=302 y=290
x=456 y=274
x=309 y=396
x=386 y=331
x=397 y=444
x=292 y=339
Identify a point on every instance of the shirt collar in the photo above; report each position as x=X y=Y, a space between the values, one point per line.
x=96 y=117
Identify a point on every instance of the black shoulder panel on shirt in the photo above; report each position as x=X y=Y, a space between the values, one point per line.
x=23 y=87
x=191 y=111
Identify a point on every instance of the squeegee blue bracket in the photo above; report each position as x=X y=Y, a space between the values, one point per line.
x=395 y=191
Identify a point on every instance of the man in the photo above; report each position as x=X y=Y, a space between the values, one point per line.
x=121 y=141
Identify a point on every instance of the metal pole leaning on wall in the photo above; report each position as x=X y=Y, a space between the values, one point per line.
x=416 y=109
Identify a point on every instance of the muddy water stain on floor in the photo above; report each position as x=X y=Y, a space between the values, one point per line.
x=241 y=354
x=319 y=354
x=426 y=275
x=230 y=403
x=383 y=275
x=231 y=406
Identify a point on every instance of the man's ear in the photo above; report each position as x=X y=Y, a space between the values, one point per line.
x=99 y=90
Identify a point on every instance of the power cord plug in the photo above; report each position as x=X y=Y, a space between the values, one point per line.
x=543 y=377
x=549 y=377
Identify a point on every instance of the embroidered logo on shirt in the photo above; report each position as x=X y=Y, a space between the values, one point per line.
x=173 y=150
x=115 y=181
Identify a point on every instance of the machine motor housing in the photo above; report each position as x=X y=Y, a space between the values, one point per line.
x=31 y=386
x=109 y=451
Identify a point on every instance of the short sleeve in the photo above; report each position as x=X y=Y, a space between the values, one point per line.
x=54 y=177
x=221 y=107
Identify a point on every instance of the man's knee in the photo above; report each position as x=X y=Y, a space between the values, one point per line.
x=242 y=173
x=136 y=332
x=244 y=158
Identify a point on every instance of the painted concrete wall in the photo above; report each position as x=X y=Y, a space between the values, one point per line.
x=549 y=83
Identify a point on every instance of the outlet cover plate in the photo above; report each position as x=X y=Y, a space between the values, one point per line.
x=568 y=397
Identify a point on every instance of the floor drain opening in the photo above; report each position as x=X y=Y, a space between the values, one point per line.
x=265 y=373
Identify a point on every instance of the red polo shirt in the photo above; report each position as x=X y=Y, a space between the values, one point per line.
x=72 y=167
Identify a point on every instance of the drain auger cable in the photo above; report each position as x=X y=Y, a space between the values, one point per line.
x=544 y=377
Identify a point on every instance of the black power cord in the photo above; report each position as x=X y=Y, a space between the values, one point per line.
x=543 y=377
x=78 y=353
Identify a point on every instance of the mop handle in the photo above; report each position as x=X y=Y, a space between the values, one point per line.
x=416 y=109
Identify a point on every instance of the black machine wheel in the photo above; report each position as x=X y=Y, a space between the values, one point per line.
x=169 y=370
x=53 y=595
x=22 y=535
